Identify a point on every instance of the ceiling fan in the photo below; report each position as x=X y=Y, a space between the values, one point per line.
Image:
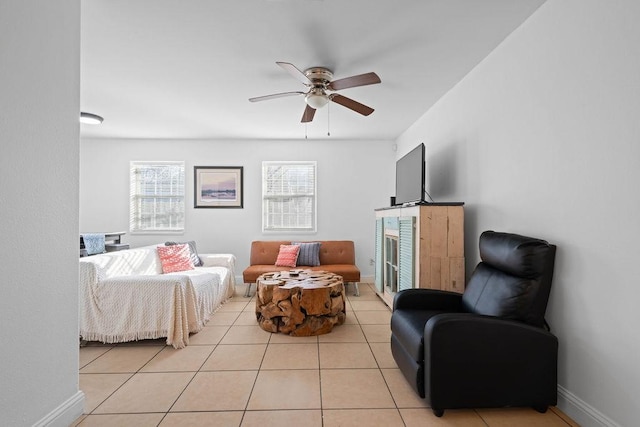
x=318 y=80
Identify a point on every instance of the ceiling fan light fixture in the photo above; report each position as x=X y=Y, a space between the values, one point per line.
x=316 y=100
x=90 y=119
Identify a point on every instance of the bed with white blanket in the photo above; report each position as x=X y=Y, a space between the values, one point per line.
x=124 y=296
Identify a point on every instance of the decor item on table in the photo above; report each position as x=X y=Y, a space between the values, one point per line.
x=309 y=254
x=218 y=187
x=336 y=256
x=112 y=241
x=287 y=256
x=94 y=243
x=125 y=297
x=490 y=346
x=195 y=259
x=175 y=258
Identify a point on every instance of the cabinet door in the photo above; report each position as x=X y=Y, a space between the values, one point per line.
x=379 y=256
x=406 y=261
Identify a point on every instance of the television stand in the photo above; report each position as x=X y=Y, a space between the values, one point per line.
x=420 y=246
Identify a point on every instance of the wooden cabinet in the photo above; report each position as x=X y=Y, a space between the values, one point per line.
x=419 y=247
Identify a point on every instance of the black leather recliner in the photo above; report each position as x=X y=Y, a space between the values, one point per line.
x=488 y=347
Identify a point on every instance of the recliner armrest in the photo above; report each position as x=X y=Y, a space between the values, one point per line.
x=466 y=330
x=427 y=299
x=466 y=341
x=511 y=363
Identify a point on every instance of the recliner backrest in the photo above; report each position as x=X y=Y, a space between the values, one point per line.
x=513 y=280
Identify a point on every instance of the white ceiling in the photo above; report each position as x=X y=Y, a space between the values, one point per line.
x=185 y=69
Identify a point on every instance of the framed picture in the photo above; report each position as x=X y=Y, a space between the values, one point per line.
x=217 y=187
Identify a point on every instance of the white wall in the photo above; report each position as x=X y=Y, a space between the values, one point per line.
x=39 y=134
x=354 y=178
x=542 y=139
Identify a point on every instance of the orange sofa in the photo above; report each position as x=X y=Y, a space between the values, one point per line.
x=336 y=256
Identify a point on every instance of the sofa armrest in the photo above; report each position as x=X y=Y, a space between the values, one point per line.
x=221 y=260
x=427 y=299
x=90 y=273
x=218 y=260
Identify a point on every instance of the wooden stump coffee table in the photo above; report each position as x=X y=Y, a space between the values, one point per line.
x=309 y=303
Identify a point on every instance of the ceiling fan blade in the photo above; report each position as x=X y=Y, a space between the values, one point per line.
x=308 y=114
x=275 y=95
x=291 y=69
x=353 y=81
x=351 y=104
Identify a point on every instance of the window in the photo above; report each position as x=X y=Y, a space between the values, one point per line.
x=289 y=196
x=156 y=196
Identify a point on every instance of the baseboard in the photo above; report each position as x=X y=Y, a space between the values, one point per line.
x=65 y=414
x=581 y=412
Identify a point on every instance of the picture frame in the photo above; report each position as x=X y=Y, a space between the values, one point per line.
x=218 y=187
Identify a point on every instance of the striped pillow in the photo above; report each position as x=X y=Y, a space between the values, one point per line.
x=309 y=254
x=288 y=255
x=175 y=258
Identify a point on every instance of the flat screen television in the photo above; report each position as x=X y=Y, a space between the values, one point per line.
x=410 y=176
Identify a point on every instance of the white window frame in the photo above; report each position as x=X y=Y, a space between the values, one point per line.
x=173 y=192
x=308 y=221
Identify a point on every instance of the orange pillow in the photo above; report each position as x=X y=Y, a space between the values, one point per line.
x=288 y=255
x=175 y=258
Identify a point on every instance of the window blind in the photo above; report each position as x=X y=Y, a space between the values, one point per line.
x=289 y=196
x=156 y=194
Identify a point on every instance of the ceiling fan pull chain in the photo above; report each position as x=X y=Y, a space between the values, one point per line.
x=305 y=131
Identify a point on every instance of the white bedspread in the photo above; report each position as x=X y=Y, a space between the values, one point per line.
x=148 y=305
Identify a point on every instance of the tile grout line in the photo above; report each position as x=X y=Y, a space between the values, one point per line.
x=380 y=370
x=481 y=418
x=320 y=382
x=192 y=377
x=121 y=385
x=270 y=342
x=94 y=359
x=253 y=386
x=395 y=403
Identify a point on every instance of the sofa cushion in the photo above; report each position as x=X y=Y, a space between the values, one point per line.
x=349 y=273
x=265 y=252
x=288 y=255
x=175 y=258
x=337 y=252
x=336 y=256
x=309 y=254
x=251 y=273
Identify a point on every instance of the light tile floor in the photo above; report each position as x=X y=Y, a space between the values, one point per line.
x=235 y=374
